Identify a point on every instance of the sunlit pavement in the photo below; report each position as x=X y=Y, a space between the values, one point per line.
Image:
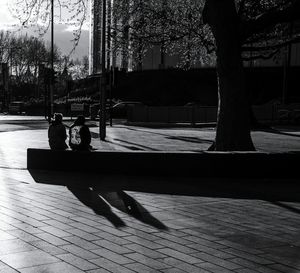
x=137 y=224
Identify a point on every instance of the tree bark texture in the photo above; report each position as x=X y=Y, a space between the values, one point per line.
x=233 y=123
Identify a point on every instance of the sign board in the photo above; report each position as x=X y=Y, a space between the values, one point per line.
x=77 y=107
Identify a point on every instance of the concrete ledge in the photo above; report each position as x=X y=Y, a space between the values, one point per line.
x=203 y=164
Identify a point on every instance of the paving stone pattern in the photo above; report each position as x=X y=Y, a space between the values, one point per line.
x=57 y=229
x=50 y=228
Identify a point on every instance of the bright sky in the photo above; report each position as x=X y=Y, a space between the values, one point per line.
x=62 y=37
x=5 y=17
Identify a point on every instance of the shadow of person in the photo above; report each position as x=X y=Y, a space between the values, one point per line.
x=100 y=200
x=127 y=204
x=91 y=199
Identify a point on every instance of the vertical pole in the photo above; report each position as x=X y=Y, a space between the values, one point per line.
x=110 y=93
x=286 y=68
x=52 y=63
x=102 y=125
x=5 y=79
x=162 y=55
x=108 y=56
x=284 y=86
x=162 y=46
x=108 y=36
x=10 y=92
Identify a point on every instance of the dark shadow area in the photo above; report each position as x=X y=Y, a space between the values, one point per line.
x=191 y=139
x=91 y=199
x=97 y=191
x=148 y=132
x=99 y=199
x=286 y=206
x=263 y=189
x=133 y=148
x=100 y=196
x=278 y=132
x=171 y=125
x=139 y=145
x=143 y=147
x=182 y=138
x=127 y=204
x=266 y=129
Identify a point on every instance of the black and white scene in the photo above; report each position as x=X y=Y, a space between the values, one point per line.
x=143 y=136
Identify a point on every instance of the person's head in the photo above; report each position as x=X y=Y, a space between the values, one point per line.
x=58 y=117
x=80 y=120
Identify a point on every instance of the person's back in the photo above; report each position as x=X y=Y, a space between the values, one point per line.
x=80 y=136
x=57 y=134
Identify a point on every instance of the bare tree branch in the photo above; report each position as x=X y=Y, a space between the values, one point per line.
x=269 y=19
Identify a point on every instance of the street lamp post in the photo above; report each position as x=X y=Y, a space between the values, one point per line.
x=50 y=110
x=102 y=125
x=286 y=67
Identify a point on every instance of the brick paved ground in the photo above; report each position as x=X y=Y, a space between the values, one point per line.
x=54 y=228
x=138 y=224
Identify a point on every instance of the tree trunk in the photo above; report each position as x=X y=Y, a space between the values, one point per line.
x=233 y=122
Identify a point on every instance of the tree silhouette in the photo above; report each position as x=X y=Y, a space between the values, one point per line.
x=240 y=30
x=232 y=29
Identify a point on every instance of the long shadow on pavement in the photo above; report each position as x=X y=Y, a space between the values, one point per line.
x=120 y=144
x=278 y=132
x=133 y=148
x=100 y=197
x=90 y=198
x=285 y=206
x=141 y=147
x=127 y=204
x=191 y=139
x=95 y=190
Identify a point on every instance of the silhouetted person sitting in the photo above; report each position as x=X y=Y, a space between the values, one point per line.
x=80 y=136
x=57 y=133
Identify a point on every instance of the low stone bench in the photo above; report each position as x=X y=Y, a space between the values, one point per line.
x=202 y=164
